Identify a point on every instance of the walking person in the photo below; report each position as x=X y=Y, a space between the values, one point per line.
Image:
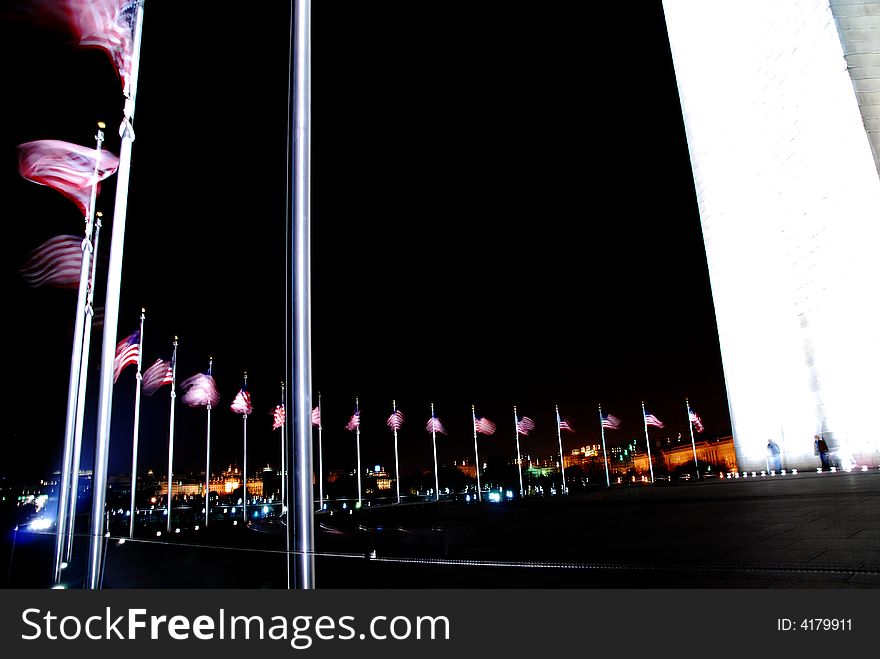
x=820 y=448
x=774 y=461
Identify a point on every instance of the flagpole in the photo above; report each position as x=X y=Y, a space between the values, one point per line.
x=396 y=461
x=561 y=456
x=434 y=442
x=518 y=454
x=283 y=453
x=137 y=416
x=358 y=442
x=604 y=452
x=171 y=436
x=320 y=459
x=76 y=379
x=648 y=442
x=693 y=443
x=244 y=465
x=81 y=390
x=111 y=313
x=302 y=530
x=208 y=451
x=476 y=453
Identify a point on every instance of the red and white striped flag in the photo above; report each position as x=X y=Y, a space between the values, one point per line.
x=435 y=425
x=127 y=352
x=200 y=391
x=651 y=420
x=563 y=424
x=525 y=425
x=610 y=421
x=316 y=416
x=278 y=417
x=354 y=422
x=484 y=426
x=241 y=404
x=396 y=420
x=695 y=419
x=158 y=375
x=57 y=263
x=108 y=25
x=66 y=167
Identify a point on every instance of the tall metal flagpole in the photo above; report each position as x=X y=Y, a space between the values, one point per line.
x=561 y=456
x=301 y=532
x=434 y=441
x=283 y=453
x=134 y=436
x=396 y=461
x=518 y=453
x=476 y=453
x=648 y=442
x=320 y=459
x=693 y=443
x=76 y=380
x=357 y=409
x=171 y=436
x=111 y=313
x=81 y=391
x=244 y=464
x=604 y=452
x=208 y=452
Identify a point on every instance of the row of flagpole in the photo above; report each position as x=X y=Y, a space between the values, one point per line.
x=116 y=27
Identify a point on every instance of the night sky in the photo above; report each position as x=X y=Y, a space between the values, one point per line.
x=503 y=213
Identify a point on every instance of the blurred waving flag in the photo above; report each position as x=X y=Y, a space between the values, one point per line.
x=108 y=25
x=158 y=375
x=278 y=417
x=435 y=425
x=610 y=421
x=354 y=422
x=242 y=402
x=525 y=425
x=651 y=420
x=695 y=419
x=395 y=420
x=55 y=263
x=316 y=416
x=563 y=424
x=484 y=426
x=127 y=352
x=66 y=167
x=200 y=391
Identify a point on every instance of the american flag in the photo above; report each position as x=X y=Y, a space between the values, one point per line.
x=157 y=375
x=316 y=416
x=278 y=417
x=563 y=424
x=242 y=402
x=66 y=167
x=651 y=420
x=127 y=352
x=698 y=424
x=610 y=421
x=57 y=263
x=108 y=25
x=354 y=421
x=396 y=420
x=483 y=426
x=435 y=425
x=200 y=391
x=525 y=425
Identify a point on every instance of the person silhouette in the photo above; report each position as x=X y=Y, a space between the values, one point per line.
x=820 y=448
x=775 y=459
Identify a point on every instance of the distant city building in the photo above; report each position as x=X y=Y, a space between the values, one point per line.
x=783 y=128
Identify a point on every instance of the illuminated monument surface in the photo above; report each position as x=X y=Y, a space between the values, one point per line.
x=779 y=101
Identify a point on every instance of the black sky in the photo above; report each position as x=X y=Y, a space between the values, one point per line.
x=503 y=213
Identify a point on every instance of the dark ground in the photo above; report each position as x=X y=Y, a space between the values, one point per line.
x=805 y=531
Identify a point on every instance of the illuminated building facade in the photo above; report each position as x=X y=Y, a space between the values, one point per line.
x=779 y=101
